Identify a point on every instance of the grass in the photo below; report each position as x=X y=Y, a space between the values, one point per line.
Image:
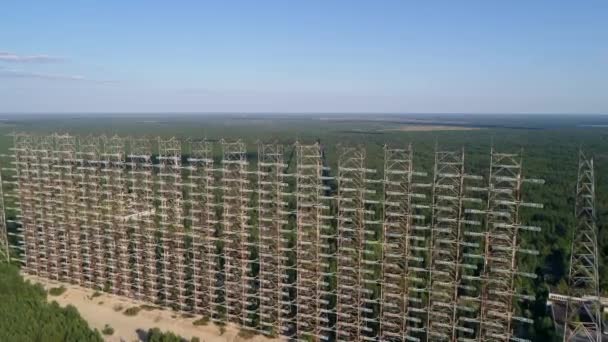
x=132 y=311
x=201 y=321
x=57 y=291
x=107 y=330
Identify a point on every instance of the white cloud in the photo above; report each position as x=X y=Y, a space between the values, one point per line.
x=11 y=73
x=15 y=58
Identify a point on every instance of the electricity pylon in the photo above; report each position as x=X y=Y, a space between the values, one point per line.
x=583 y=319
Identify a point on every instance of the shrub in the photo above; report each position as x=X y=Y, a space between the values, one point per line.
x=246 y=334
x=107 y=330
x=155 y=335
x=148 y=307
x=132 y=311
x=57 y=291
x=118 y=307
x=201 y=321
x=95 y=294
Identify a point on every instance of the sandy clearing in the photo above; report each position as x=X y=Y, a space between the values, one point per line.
x=100 y=311
x=428 y=128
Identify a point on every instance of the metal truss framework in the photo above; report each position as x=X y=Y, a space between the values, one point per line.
x=455 y=232
x=503 y=247
x=304 y=255
x=313 y=250
x=239 y=284
x=274 y=302
x=583 y=317
x=171 y=218
x=356 y=230
x=140 y=221
x=403 y=270
x=205 y=257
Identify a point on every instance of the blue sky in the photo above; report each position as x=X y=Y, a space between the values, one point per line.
x=304 y=56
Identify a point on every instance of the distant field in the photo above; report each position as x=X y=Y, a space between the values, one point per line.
x=428 y=128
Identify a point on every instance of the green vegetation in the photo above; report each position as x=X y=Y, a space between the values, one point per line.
x=27 y=316
x=156 y=335
x=550 y=152
x=147 y=307
x=201 y=321
x=133 y=311
x=247 y=334
x=107 y=330
x=57 y=291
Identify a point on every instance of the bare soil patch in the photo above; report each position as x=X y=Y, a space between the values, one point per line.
x=99 y=310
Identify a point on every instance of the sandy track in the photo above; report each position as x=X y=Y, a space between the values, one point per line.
x=101 y=310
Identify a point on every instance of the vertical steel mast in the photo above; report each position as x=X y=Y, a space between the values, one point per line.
x=236 y=235
x=403 y=244
x=144 y=228
x=4 y=246
x=171 y=223
x=583 y=317
x=313 y=250
x=202 y=214
x=88 y=188
x=272 y=222
x=355 y=232
x=450 y=309
x=501 y=271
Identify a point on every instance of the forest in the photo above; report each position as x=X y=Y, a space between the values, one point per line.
x=27 y=315
x=550 y=153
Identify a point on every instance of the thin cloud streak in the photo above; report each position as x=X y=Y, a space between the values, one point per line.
x=7 y=73
x=15 y=58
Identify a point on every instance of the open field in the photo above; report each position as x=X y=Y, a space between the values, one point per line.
x=101 y=309
x=428 y=128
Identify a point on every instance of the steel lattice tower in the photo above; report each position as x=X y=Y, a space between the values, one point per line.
x=171 y=223
x=403 y=233
x=355 y=229
x=502 y=246
x=115 y=229
x=38 y=191
x=313 y=250
x=144 y=230
x=451 y=296
x=26 y=231
x=4 y=245
x=274 y=308
x=12 y=182
x=238 y=280
x=64 y=156
x=89 y=190
x=202 y=214
x=583 y=316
